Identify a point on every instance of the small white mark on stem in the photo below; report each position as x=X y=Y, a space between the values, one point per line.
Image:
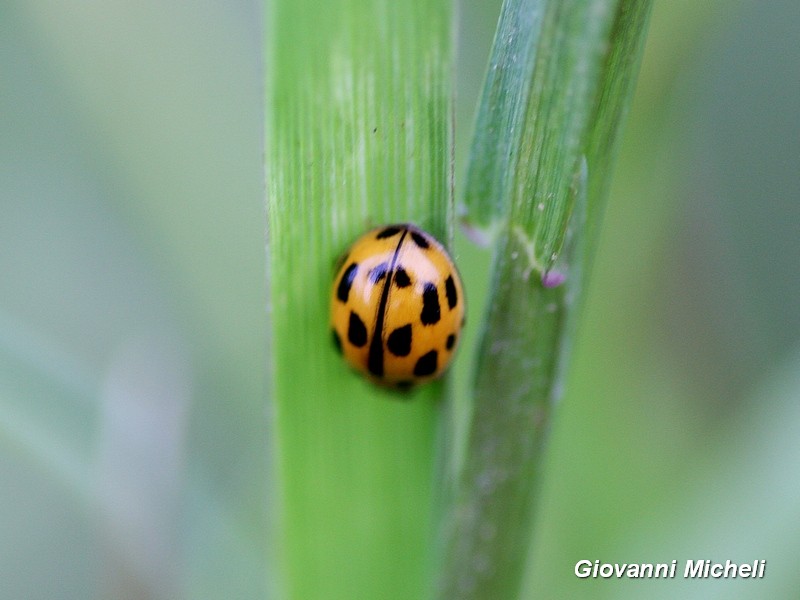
x=530 y=252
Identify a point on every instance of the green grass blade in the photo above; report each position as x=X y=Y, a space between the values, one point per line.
x=585 y=61
x=358 y=134
x=502 y=107
x=616 y=85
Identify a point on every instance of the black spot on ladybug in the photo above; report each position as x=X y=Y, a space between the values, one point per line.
x=450 y=291
x=346 y=282
x=426 y=365
x=356 y=331
x=378 y=273
x=337 y=341
x=401 y=278
x=451 y=341
x=399 y=341
x=387 y=233
x=419 y=239
x=430 y=305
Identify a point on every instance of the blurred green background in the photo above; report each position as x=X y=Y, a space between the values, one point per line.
x=133 y=321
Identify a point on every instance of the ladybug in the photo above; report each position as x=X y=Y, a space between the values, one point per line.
x=397 y=306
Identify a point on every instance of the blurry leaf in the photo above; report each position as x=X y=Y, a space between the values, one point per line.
x=131 y=206
x=742 y=502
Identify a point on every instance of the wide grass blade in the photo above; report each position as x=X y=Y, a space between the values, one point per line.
x=358 y=135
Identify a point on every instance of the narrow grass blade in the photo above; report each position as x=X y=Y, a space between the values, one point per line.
x=358 y=135
x=502 y=107
x=585 y=60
